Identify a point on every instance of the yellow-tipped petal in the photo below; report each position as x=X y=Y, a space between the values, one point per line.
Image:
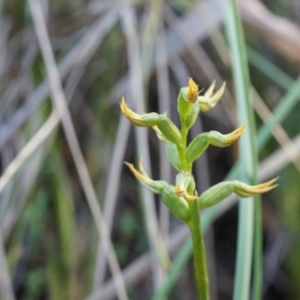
x=129 y=114
x=236 y=134
x=124 y=108
x=210 y=99
x=266 y=186
x=244 y=190
x=145 y=120
x=182 y=193
x=142 y=177
x=210 y=90
x=183 y=181
x=139 y=176
x=193 y=91
x=223 y=140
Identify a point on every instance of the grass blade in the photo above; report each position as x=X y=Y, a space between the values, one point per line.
x=281 y=111
x=157 y=244
x=60 y=103
x=248 y=158
x=270 y=70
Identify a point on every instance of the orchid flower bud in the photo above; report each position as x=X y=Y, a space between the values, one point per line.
x=177 y=205
x=186 y=98
x=215 y=138
x=185 y=181
x=193 y=91
x=222 y=190
x=165 y=125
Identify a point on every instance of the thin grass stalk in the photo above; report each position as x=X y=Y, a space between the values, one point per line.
x=155 y=239
x=148 y=38
x=111 y=193
x=164 y=101
x=35 y=142
x=39 y=145
x=269 y=69
x=281 y=111
x=60 y=104
x=278 y=132
x=81 y=51
x=147 y=42
x=248 y=157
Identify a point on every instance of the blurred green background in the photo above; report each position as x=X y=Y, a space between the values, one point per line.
x=145 y=51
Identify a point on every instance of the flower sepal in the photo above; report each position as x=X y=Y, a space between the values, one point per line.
x=220 y=191
x=210 y=99
x=186 y=98
x=177 y=205
x=165 y=125
x=185 y=182
x=215 y=138
x=155 y=186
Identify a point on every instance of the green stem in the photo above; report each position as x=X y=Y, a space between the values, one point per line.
x=195 y=225
x=199 y=252
x=186 y=167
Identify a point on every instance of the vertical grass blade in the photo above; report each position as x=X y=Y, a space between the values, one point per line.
x=270 y=70
x=157 y=244
x=281 y=111
x=248 y=154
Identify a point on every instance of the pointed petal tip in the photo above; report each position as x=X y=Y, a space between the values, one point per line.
x=243 y=126
x=270 y=182
x=266 y=189
x=267 y=183
x=123 y=106
x=122 y=102
x=131 y=167
x=127 y=163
